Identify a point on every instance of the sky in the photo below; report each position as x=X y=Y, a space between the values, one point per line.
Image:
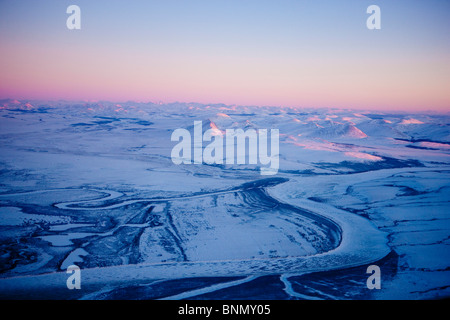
x=298 y=53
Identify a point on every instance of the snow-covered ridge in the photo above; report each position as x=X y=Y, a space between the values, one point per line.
x=92 y=183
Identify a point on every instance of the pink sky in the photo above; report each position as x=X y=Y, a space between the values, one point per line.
x=101 y=74
x=175 y=56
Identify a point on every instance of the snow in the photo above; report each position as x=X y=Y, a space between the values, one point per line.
x=62 y=240
x=74 y=258
x=362 y=155
x=12 y=216
x=411 y=121
x=93 y=184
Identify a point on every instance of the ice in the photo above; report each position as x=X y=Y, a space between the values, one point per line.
x=75 y=257
x=62 y=240
x=93 y=184
x=12 y=216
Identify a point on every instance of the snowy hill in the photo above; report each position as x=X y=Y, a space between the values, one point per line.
x=92 y=183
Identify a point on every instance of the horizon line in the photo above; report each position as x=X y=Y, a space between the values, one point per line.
x=162 y=102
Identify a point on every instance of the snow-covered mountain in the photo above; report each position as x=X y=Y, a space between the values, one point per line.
x=93 y=184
